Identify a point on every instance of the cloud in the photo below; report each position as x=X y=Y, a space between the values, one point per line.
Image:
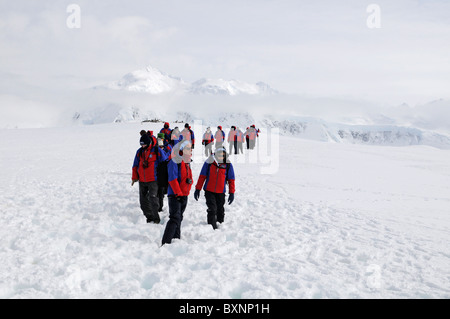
x=317 y=48
x=17 y=112
x=40 y=46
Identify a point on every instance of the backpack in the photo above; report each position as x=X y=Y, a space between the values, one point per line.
x=163 y=174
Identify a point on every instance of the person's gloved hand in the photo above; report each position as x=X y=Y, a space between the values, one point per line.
x=197 y=194
x=230 y=198
x=134 y=181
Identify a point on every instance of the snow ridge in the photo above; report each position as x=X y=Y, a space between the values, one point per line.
x=314 y=129
x=303 y=127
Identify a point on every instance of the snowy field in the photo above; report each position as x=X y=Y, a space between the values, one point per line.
x=334 y=221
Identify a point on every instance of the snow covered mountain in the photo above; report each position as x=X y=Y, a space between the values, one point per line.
x=238 y=103
x=148 y=80
x=382 y=135
x=153 y=81
x=309 y=128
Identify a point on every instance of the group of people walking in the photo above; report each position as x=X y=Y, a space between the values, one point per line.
x=236 y=139
x=162 y=165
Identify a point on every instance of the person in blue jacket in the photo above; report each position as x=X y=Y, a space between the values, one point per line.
x=167 y=133
x=175 y=136
x=162 y=173
x=180 y=183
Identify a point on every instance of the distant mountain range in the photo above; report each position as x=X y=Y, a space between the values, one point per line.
x=238 y=103
x=153 y=81
x=302 y=127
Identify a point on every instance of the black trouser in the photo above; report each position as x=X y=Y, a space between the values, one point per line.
x=161 y=192
x=248 y=142
x=148 y=198
x=177 y=206
x=216 y=209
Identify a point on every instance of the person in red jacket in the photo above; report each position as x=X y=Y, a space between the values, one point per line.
x=232 y=140
x=188 y=134
x=219 y=136
x=216 y=173
x=180 y=183
x=145 y=172
x=208 y=140
x=252 y=134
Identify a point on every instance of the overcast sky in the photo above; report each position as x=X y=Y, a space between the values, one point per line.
x=314 y=48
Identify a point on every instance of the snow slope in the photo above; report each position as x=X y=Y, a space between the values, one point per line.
x=330 y=221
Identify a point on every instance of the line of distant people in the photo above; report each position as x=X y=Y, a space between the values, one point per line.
x=236 y=139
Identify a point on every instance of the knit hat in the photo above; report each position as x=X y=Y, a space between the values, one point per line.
x=145 y=140
x=161 y=136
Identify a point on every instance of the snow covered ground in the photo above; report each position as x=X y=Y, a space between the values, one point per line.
x=334 y=221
